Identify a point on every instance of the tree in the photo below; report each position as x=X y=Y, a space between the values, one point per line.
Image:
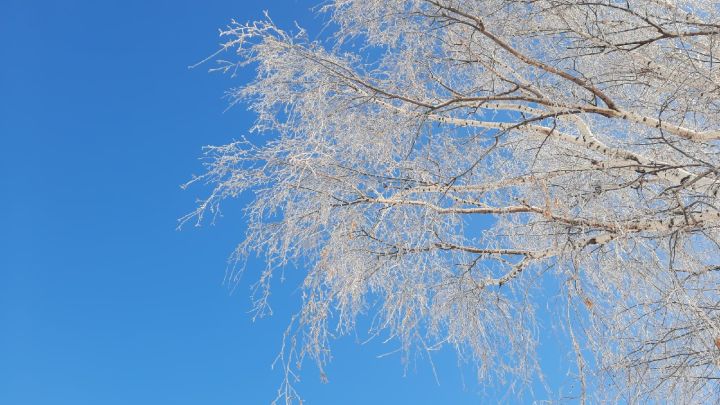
x=437 y=164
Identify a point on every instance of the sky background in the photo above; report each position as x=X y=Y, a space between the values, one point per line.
x=102 y=300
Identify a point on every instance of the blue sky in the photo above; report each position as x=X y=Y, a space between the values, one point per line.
x=102 y=301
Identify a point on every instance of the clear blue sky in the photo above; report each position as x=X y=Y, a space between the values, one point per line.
x=102 y=301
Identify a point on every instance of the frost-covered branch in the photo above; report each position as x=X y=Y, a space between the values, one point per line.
x=436 y=162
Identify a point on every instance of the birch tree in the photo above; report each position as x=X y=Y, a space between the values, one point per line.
x=446 y=167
